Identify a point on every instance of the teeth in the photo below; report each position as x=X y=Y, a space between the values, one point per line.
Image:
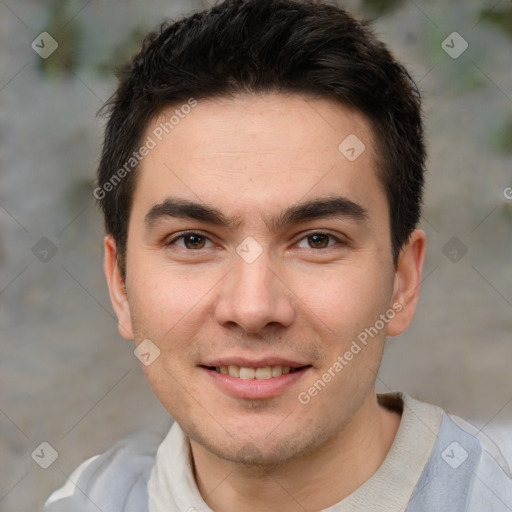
x=247 y=373
x=265 y=372
x=234 y=371
x=277 y=371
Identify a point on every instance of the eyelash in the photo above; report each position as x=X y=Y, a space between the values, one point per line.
x=188 y=233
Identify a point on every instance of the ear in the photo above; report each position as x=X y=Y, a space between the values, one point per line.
x=407 y=282
x=116 y=286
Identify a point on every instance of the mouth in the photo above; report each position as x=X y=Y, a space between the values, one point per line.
x=256 y=373
x=261 y=380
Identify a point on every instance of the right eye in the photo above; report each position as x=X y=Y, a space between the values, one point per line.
x=192 y=240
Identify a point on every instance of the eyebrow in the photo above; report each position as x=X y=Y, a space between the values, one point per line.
x=330 y=207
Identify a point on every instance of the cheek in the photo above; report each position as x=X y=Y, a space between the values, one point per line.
x=168 y=308
x=165 y=299
x=346 y=298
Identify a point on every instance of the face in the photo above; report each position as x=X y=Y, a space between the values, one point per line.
x=254 y=242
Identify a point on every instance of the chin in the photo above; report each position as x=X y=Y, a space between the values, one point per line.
x=266 y=447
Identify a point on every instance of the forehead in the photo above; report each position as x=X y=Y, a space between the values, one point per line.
x=265 y=151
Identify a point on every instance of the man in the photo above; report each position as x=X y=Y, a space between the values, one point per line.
x=261 y=183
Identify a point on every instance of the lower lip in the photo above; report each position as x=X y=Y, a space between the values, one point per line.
x=255 y=388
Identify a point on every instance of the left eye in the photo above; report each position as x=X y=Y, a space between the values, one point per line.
x=319 y=240
x=191 y=241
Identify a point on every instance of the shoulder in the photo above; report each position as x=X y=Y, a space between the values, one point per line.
x=466 y=472
x=491 y=485
x=115 y=481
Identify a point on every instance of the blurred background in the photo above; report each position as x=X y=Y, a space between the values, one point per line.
x=68 y=379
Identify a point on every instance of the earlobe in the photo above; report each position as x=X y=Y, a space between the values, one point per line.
x=117 y=290
x=407 y=281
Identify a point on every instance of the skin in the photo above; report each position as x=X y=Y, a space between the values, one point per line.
x=251 y=157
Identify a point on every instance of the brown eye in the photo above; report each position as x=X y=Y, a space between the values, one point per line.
x=194 y=241
x=319 y=241
x=190 y=241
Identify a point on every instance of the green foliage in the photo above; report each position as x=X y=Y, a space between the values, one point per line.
x=68 y=36
x=501 y=18
x=502 y=138
x=376 y=8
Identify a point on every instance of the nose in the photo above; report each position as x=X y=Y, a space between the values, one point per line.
x=253 y=296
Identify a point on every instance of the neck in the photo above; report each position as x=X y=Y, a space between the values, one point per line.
x=313 y=482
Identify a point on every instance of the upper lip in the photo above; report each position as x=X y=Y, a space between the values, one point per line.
x=254 y=363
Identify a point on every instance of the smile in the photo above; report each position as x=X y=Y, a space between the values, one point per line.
x=255 y=383
x=262 y=373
